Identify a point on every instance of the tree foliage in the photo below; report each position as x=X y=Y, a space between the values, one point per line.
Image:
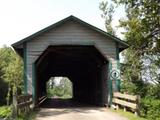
x=3 y=90
x=61 y=88
x=107 y=13
x=142 y=33
x=141 y=67
x=11 y=68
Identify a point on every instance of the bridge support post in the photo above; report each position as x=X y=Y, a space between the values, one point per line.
x=34 y=84
x=109 y=85
x=15 y=109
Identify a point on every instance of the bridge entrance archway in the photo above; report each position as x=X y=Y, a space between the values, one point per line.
x=85 y=66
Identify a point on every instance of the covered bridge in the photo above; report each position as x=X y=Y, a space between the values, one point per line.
x=75 y=49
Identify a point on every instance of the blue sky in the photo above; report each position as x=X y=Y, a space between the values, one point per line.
x=21 y=18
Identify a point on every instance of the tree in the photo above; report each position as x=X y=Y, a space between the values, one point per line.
x=61 y=88
x=11 y=66
x=141 y=68
x=107 y=13
x=142 y=33
x=3 y=88
x=67 y=86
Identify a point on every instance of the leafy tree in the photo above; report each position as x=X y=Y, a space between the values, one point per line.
x=11 y=69
x=107 y=13
x=142 y=32
x=14 y=75
x=141 y=68
x=3 y=89
x=67 y=86
x=62 y=89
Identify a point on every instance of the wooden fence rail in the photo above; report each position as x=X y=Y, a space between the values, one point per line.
x=42 y=99
x=126 y=101
x=22 y=103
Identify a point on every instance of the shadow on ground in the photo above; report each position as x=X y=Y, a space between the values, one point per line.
x=58 y=106
x=68 y=109
x=63 y=103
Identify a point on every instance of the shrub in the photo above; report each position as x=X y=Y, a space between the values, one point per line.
x=5 y=111
x=3 y=91
x=150 y=108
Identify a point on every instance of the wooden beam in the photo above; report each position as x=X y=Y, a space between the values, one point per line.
x=124 y=103
x=125 y=96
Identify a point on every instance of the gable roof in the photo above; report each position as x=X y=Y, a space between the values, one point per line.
x=119 y=41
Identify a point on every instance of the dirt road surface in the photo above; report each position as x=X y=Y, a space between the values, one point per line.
x=79 y=113
x=60 y=109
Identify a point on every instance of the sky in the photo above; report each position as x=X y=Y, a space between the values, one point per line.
x=21 y=18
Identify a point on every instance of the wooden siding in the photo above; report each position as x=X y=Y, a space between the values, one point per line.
x=70 y=33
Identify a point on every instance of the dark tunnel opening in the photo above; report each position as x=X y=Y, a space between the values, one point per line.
x=85 y=66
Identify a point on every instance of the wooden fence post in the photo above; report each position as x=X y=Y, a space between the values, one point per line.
x=137 y=112
x=127 y=101
x=15 y=109
x=21 y=104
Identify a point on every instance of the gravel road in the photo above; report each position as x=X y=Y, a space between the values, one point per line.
x=77 y=113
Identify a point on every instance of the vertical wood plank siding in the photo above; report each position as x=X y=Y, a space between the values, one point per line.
x=70 y=33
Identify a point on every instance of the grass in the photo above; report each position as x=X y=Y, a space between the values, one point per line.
x=129 y=115
x=6 y=112
x=30 y=116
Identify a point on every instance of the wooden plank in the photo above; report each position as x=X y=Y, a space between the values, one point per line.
x=125 y=96
x=124 y=103
x=23 y=98
x=24 y=104
x=42 y=99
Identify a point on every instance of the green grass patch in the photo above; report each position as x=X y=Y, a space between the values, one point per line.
x=30 y=116
x=5 y=111
x=58 y=92
x=129 y=115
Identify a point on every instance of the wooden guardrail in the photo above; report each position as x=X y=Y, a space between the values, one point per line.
x=42 y=99
x=22 y=103
x=126 y=101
